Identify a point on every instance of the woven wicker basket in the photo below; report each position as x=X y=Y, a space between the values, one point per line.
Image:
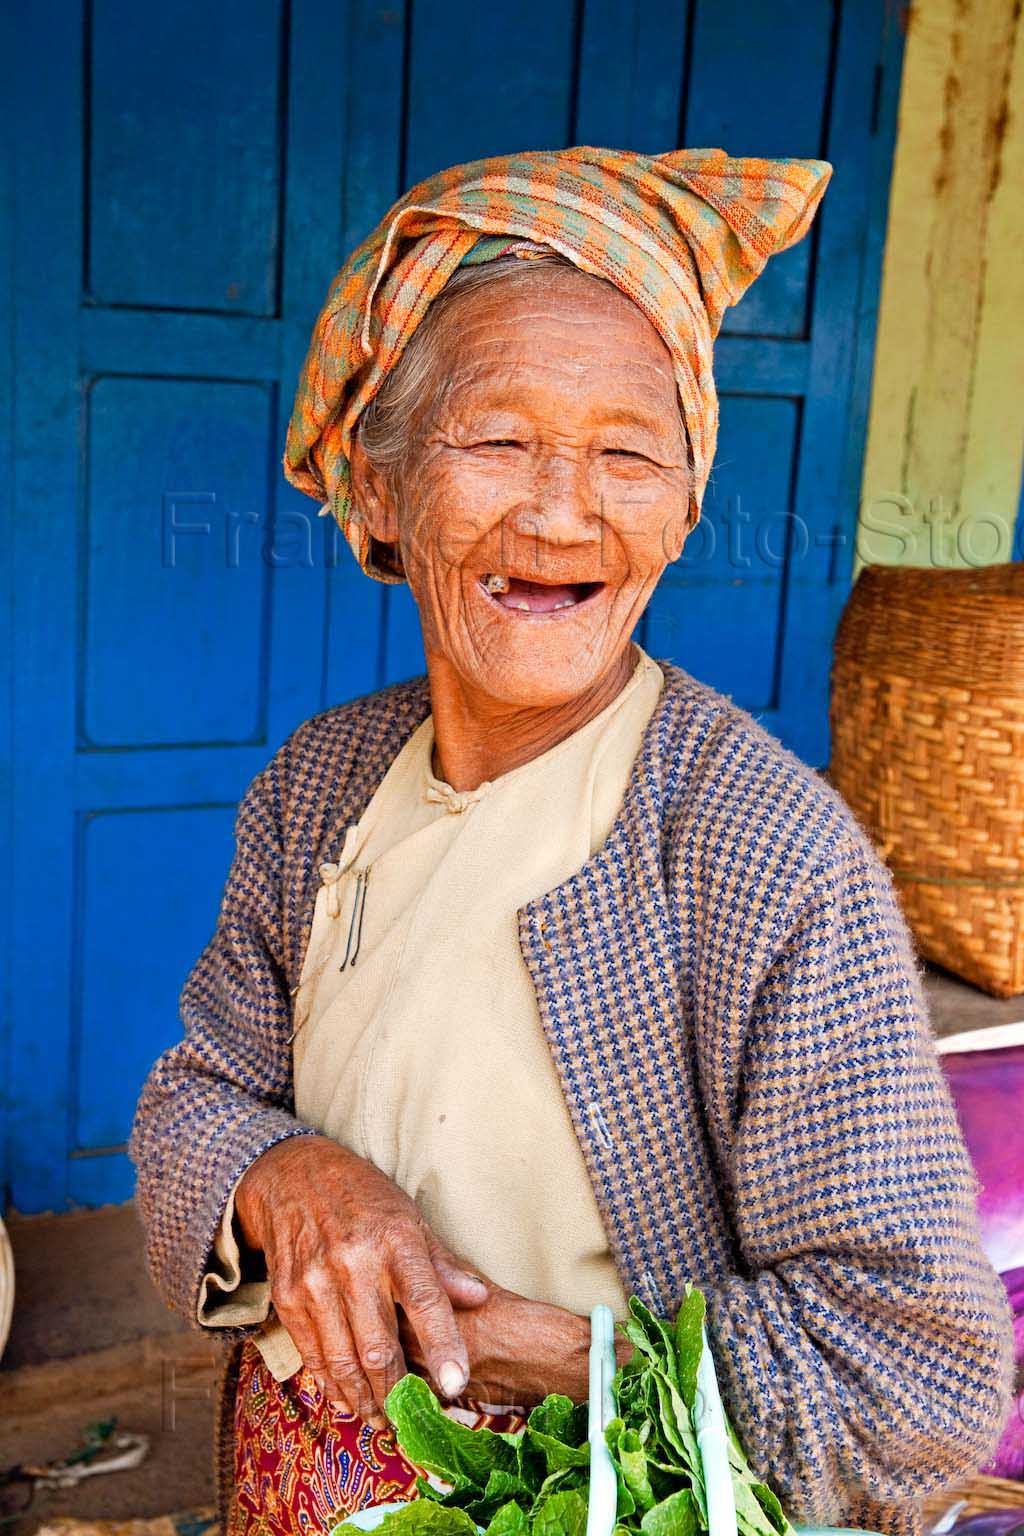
x=928 y=749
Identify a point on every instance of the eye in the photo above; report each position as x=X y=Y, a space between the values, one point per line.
x=497 y=442
x=627 y=455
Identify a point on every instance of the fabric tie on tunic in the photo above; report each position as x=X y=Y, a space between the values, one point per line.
x=456 y=800
x=682 y=234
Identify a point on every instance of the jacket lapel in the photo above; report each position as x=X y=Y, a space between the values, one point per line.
x=605 y=952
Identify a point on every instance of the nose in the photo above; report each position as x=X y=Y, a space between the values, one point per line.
x=561 y=509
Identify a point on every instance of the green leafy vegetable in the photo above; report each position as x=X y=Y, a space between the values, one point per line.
x=689 y=1341
x=425 y=1518
x=558 y=1456
x=536 y=1482
x=632 y=1458
x=770 y=1504
x=432 y=1440
x=658 y=1335
x=498 y=1490
x=509 y=1521
x=564 y=1514
x=557 y=1416
x=674 y=1516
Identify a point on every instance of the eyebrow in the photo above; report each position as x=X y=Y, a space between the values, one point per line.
x=618 y=416
x=628 y=418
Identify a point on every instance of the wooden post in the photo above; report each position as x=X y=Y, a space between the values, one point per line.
x=942 y=470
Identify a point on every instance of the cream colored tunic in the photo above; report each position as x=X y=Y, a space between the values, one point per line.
x=418 y=1040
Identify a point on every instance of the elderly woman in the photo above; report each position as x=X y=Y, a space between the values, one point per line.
x=550 y=977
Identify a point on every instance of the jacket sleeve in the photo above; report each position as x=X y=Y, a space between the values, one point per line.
x=865 y=1348
x=223 y=1095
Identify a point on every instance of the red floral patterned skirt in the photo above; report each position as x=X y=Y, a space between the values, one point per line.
x=301 y=1464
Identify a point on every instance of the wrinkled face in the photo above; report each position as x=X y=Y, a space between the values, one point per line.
x=545 y=494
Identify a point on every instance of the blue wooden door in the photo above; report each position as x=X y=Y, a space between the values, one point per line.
x=184 y=185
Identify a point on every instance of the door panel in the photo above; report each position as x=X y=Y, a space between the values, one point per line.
x=184 y=155
x=759 y=83
x=718 y=610
x=507 y=73
x=185 y=594
x=178 y=609
x=150 y=887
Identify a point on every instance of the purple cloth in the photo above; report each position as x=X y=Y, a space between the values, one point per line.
x=1009 y=1458
x=988 y=1089
x=994 y=1522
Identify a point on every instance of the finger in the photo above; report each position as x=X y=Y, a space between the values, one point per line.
x=335 y=1360
x=371 y=1316
x=429 y=1311
x=341 y=1357
x=302 y=1330
x=463 y=1287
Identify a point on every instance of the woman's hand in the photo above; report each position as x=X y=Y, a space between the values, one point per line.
x=519 y=1350
x=343 y=1244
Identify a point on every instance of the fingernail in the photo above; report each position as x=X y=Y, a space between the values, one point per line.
x=451 y=1378
x=475 y=1280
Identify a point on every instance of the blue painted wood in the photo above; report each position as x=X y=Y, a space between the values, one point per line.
x=99 y=1180
x=142 y=873
x=847 y=269
x=165 y=775
x=759 y=80
x=487 y=80
x=160 y=360
x=736 y=560
x=187 y=677
x=755 y=365
x=631 y=73
x=308 y=597
x=47 y=279
x=824 y=290
x=147 y=342
x=184 y=122
x=7 y=71
x=374 y=173
x=403 y=644
x=881 y=147
x=354 y=634
x=182 y=577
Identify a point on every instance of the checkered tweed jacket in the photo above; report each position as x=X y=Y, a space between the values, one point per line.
x=730 y=998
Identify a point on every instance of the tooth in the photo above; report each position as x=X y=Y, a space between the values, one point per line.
x=564 y=602
x=523 y=606
x=496 y=583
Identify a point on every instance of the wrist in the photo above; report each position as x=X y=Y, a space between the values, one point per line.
x=573 y=1377
x=578 y=1359
x=261 y=1178
x=566 y=1365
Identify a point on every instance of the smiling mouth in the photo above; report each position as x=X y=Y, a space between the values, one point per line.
x=537 y=597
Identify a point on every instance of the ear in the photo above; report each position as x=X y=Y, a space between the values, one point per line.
x=372 y=499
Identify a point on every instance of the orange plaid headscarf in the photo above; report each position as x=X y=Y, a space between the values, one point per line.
x=682 y=234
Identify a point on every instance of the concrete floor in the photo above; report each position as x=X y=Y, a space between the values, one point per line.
x=162 y=1388
x=91 y=1340
x=954 y=1005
